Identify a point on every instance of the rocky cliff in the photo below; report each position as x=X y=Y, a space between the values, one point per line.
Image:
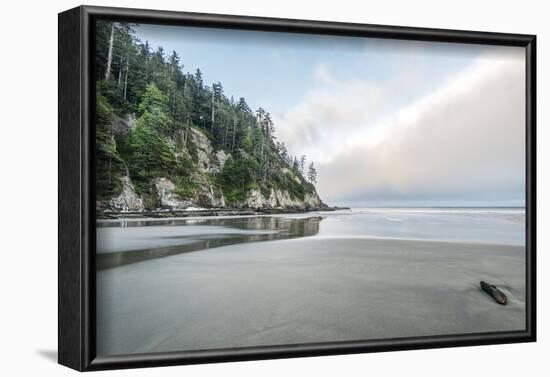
x=166 y=140
x=204 y=185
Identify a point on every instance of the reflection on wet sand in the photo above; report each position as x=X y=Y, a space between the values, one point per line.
x=276 y=228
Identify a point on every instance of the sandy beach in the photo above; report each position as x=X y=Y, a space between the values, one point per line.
x=311 y=289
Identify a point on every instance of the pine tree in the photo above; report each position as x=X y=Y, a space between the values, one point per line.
x=296 y=164
x=302 y=164
x=169 y=104
x=312 y=174
x=153 y=109
x=198 y=78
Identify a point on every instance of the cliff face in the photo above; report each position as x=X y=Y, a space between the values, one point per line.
x=204 y=183
x=168 y=140
x=282 y=199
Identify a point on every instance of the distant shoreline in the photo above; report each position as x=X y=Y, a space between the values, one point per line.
x=229 y=212
x=162 y=214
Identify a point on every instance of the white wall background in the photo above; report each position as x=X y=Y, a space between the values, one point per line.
x=28 y=186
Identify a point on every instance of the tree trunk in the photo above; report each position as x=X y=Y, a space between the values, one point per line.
x=174 y=101
x=186 y=131
x=225 y=134
x=213 y=111
x=110 y=53
x=126 y=74
x=262 y=152
x=119 y=80
x=234 y=132
x=110 y=167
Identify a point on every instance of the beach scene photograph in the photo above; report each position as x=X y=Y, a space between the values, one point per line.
x=260 y=188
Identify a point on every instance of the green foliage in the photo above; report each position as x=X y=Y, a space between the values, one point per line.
x=104 y=111
x=110 y=92
x=289 y=182
x=168 y=104
x=312 y=174
x=109 y=165
x=236 y=179
x=153 y=100
x=247 y=145
x=153 y=110
x=147 y=154
x=186 y=186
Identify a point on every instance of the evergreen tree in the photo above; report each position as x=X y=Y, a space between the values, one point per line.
x=109 y=165
x=296 y=164
x=153 y=109
x=170 y=105
x=302 y=164
x=312 y=174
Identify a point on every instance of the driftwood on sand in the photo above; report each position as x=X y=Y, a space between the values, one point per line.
x=494 y=292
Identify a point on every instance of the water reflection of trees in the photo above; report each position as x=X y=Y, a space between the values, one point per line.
x=305 y=226
x=279 y=227
x=284 y=227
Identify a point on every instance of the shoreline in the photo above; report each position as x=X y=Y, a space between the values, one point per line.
x=199 y=243
x=208 y=212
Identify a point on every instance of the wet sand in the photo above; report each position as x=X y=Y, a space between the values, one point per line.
x=134 y=242
x=304 y=290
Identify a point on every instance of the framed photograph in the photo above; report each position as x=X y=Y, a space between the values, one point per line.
x=239 y=188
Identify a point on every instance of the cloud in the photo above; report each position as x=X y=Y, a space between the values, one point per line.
x=466 y=141
x=317 y=126
x=463 y=142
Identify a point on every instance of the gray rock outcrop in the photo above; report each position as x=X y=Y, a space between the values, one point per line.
x=127 y=200
x=167 y=198
x=201 y=188
x=204 y=149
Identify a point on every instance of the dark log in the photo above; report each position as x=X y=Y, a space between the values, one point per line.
x=494 y=292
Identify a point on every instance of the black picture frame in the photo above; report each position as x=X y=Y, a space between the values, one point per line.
x=76 y=256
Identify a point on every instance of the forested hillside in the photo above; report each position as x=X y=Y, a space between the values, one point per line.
x=167 y=140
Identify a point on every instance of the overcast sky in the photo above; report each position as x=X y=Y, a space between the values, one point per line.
x=386 y=122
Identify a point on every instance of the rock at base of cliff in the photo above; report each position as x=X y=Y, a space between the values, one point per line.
x=255 y=199
x=167 y=198
x=313 y=201
x=127 y=200
x=282 y=200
